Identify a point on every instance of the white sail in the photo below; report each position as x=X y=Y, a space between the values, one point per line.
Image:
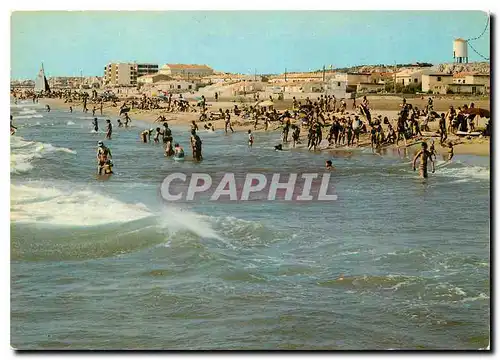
x=41 y=83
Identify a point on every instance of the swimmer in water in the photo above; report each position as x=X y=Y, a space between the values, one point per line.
x=179 y=151
x=120 y=124
x=108 y=167
x=156 y=139
x=209 y=127
x=71 y=109
x=250 y=138
x=329 y=165
x=48 y=108
x=103 y=154
x=109 y=129
x=144 y=136
x=12 y=127
x=424 y=156
x=96 y=125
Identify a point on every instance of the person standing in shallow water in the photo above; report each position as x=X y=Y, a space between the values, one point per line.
x=250 y=138
x=109 y=129
x=442 y=129
x=96 y=125
x=196 y=146
x=227 y=122
x=424 y=156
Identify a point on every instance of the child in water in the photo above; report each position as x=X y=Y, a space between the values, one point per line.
x=179 y=151
x=108 y=167
x=329 y=165
x=157 y=135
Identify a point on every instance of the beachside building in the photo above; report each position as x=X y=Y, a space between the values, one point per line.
x=353 y=78
x=470 y=89
x=436 y=83
x=459 y=78
x=411 y=76
x=247 y=87
x=120 y=74
x=152 y=78
x=479 y=79
x=370 y=87
x=175 y=86
x=146 y=69
x=186 y=70
x=313 y=87
x=336 y=86
x=299 y=77
x=220 y=78
x=380 y=76
x=275 y=88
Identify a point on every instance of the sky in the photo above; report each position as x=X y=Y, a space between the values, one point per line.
x=70 y=42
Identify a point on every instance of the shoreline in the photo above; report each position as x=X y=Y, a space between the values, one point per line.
x=462 y=146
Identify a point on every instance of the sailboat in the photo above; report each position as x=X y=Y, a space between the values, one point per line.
x=41 y=83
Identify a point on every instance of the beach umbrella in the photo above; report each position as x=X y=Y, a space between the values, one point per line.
x=477 y=111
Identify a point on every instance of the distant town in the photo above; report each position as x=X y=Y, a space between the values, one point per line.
x=454 y=78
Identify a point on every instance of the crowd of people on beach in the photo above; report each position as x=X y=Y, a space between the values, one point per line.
x=343 y=128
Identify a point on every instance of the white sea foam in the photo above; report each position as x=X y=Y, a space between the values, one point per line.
x=176 y=220
x=465 y=172
x=70 y=123
x=481 y=296
x=23 y=152
x=84 y=207
x=27 y=116
x=26 y=111
x=24 y=104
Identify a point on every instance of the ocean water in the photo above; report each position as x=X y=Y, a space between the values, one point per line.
x=110 y=265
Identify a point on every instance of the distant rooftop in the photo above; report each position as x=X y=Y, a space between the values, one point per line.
x=187 y=66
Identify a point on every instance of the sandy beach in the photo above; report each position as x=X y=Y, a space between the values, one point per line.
x=380 y=105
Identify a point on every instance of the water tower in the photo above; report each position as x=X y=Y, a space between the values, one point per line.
x=460 y=51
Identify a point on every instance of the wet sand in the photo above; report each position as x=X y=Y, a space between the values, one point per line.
x=380 y=105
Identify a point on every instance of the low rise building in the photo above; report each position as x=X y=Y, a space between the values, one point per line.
x=153 y=78
x=411 y=76
x=479 y=79
x=436 y=82
x=299 y=77
x=370 y=87
x=175 y=86
x=470 y=89
x=186 y=70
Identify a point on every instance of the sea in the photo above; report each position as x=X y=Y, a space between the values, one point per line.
x=394 y=263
